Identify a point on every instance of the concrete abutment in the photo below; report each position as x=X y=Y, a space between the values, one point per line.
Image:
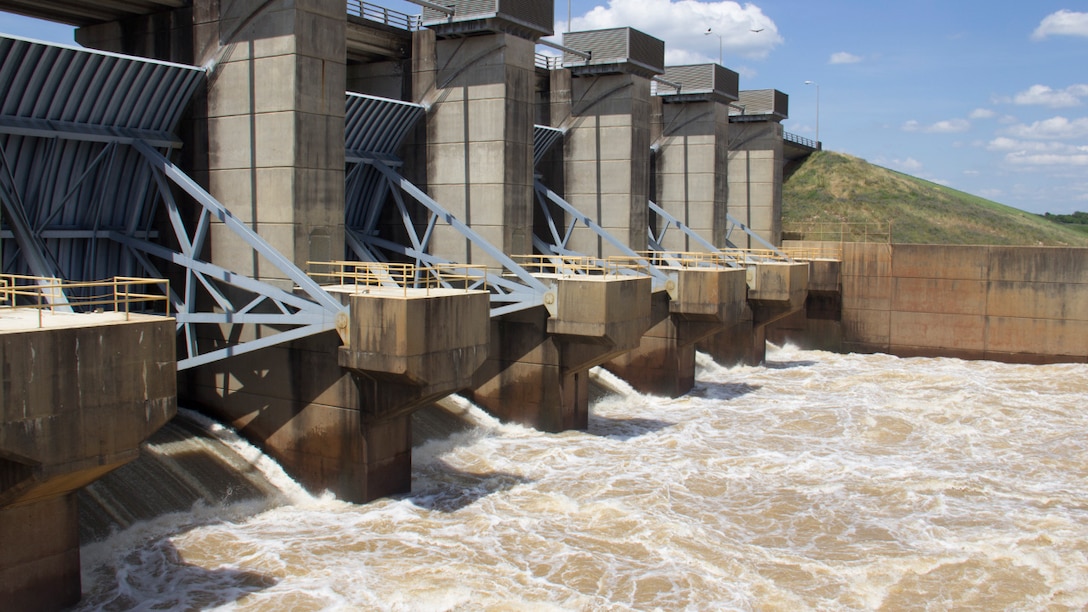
x=1004 y=303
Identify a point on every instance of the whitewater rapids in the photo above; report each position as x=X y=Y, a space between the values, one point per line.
x=819 y=481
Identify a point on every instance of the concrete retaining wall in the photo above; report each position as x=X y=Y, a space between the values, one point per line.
x=1018 y=304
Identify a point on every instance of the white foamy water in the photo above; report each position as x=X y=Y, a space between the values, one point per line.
x=821 y=482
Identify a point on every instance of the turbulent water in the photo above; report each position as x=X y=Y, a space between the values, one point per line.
x=821 y=481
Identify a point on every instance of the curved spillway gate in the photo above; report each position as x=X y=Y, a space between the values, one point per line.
x=89 y=192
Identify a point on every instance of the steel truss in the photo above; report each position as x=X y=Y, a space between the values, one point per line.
x=375 y=128
x=89 y=192
x=669 y=220
x=557 y=241
x=543 y=139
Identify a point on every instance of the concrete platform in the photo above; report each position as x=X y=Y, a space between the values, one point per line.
x=703 y=302
x=80 y=393
x=334 y=409
x=537 y=370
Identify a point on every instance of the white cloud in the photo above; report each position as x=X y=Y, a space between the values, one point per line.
x=1004 y=143
x=1046 y=159
x=1042 y=95
x=1039 y=153
x=948 y=126
x=1055 y=128
x=842 y=57
x=1062 y=23
x=982 y=113
x=683 y=25
x=907 y=165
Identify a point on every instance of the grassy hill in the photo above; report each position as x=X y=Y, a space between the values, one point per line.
x=838 y=192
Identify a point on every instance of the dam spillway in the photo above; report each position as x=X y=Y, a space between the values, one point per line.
x=266 y=173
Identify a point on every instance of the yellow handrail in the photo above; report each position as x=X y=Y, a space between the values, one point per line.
x=566 y=265
x=48 y=294
x=363 y=276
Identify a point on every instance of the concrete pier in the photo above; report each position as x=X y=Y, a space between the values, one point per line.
x=607 y=159
x=335 y=409
x=775 y=291
x=692 y=152
x=756 y=161
x=703 y=303
x=80 y=393
x=478 y=149
x=537 y=369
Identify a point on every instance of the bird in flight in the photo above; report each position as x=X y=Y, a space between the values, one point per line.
x=759 y=30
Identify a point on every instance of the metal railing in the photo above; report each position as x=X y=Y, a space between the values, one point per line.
x=567 y=265
x=721 y=258
x=367 y=276
x=823 y=250
x=801 y=140
x=548 y=62
x=380 y=14
x=118 y=294
x=830 y=231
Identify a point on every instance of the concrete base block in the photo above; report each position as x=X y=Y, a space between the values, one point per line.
x=540 y=379
x=778 y=285
x=743 y=343
x=661 y=365
x=338 y=417
x=79 y=394
x=39 y=555
x=664 y=362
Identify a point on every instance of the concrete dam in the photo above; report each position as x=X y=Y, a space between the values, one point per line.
x=318 y=220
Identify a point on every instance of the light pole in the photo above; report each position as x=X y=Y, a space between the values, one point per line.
x=708 y=33
x=817 y=108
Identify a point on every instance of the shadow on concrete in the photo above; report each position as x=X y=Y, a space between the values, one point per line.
x=624 y=429
x=723 y=391
x=456 y=489
x=786 y=365
x=164 y=580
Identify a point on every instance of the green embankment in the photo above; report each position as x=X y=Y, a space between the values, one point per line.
x=830 y=193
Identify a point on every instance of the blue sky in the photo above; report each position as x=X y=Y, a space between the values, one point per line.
x=990 y=98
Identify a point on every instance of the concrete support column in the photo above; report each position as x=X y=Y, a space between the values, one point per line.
x=703 y=303
x=479 y=139
x=336 y=412
x=692 y=144
x=607 y=167
x=274 y=126
x=756 y=160
x=691 y=168
x=534 y=378
x=537 y=368
x=267 y=139
x=39 y=558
